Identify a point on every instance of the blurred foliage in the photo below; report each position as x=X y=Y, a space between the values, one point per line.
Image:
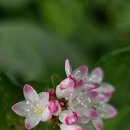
x=36 y=36
x=29 y=51
x=116 y=68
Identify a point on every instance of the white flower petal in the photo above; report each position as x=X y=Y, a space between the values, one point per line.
x=107 y=111
x=44 y=98
x=105 y=92
x=64 y=88
x=84 y=119
x=88 y=126
x=22 y=108
x=96 y=75
x=30 y=94
x=70 y=127
x=98 y=124
x=46 y=115
x=31 y=122
x=68 y=68
x=105 y=87
x=80 y=72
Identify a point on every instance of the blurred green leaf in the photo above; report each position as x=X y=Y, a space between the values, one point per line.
x=28 y=53
x=56 y=79
x=9 y=93
x=62 y=16
x=120 y=121
x=13 y=4
x=116 y=70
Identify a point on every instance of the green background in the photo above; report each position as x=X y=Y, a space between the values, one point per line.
x=36 y=36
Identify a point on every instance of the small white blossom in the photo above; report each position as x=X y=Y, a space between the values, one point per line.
x=34 y=108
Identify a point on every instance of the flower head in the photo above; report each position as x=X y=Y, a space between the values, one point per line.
x=79 y=103
x=34 y=108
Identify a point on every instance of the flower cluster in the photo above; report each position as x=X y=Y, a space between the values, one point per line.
x=79 y=102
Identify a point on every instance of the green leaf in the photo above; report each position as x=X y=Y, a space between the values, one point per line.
x=117 y=72
x=55 y=80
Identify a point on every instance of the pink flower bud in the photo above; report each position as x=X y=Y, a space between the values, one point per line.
x=71 y=120
x=61 y=103
x=51 y=92
x=54 y=107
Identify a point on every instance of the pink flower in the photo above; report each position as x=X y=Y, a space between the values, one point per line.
x=34 y=108
x=54 y=107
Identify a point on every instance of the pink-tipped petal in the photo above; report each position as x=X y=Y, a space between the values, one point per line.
x=64 y=88
x=30 y=94
x=107 y=88
x=46 y=115
x=107 y=111
x=91 y=86
x=21 y=108
x=93 y=114
x=90 y=113
x=98 y=124
x=104 y=97
x=31 y=122
x=68 y=68
x=96 y=75
x=80 y=72
x=93 y=95
x=105 y=92
x=70 y=127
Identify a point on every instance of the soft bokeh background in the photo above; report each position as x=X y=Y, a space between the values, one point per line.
x=36 y=36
